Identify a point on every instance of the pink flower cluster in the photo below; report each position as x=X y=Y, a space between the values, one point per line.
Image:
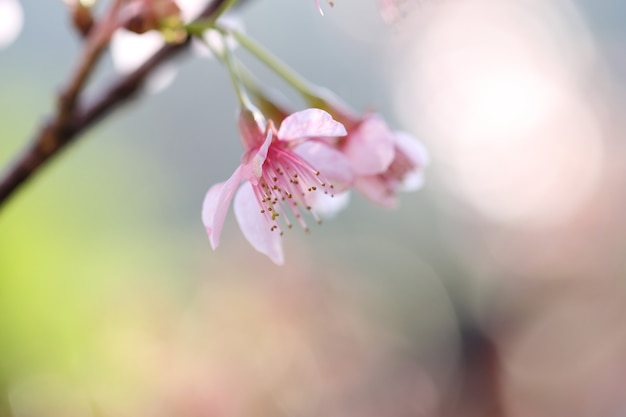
x=287 y=172
x=384 y=162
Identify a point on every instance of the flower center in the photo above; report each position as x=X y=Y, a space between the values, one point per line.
x=284 y=188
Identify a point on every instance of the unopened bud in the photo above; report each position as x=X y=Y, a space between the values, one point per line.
x=162 y=15
x=80 y=11
x=252 y=125
x=82 y=19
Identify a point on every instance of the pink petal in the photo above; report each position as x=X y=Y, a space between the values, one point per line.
x=256 y=165
x=416 y=152
x=216 y=203
x=370 y=148
x=310 y=123
x=412 y=181
x=255 y=226
x=376 y=189
x=412 y=148
x=252 y=127
x=317 y=4
x=331 y=164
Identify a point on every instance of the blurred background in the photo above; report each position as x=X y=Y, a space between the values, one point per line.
x=497 y=290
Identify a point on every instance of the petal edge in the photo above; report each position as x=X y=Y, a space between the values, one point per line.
x=255 y=226
x=310 y=123
x=216 y=204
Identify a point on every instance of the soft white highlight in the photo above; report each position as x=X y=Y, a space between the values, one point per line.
x=130 y=50
x=11 y=21
x=497 y=87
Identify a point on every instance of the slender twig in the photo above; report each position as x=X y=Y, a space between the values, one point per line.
x=72 y=117
x=120 y=91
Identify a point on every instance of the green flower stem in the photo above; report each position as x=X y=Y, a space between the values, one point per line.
x=267 y=104
x=239 y=75
x=227 y=59
x=223 y=8
x=198 y=26
x=304 y=87
x=264 y=100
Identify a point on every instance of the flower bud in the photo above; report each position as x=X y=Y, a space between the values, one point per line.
x=82 y=18
x=161 y=15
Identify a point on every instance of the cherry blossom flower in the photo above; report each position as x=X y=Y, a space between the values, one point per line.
x=11 y=21
x=280 y=169
x=369 y=145
x=384 y=162
x=404 y=173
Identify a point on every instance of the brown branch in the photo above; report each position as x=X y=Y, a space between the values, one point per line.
x=120 y=91
x=72 y=118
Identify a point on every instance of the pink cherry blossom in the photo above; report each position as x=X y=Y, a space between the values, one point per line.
x=405 y=173
x=369 y=145
x=280 y=169
x=384 y=162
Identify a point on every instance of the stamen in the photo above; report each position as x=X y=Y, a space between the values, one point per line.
x=283 y=186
